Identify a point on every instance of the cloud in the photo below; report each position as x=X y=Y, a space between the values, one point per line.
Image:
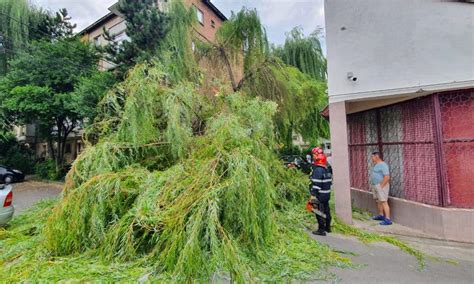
x=83 y=12
x=278 y=16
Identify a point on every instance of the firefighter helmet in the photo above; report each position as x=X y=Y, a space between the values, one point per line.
x=316 y=151
x=320 y=160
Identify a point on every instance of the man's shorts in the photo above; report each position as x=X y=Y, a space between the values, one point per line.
x=380 y=194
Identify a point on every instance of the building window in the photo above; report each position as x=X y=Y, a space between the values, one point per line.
x=122 y=36
x=68 y=148
x=97 y=40
x=200 y=15
x=213 y=24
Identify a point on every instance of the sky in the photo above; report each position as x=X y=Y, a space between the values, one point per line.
x=278 y=16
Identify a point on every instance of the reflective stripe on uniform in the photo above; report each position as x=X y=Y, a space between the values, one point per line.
x=317 y=180
x=316 y=187
x=325 y=191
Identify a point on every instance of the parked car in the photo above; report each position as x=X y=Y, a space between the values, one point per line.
x=6 y=204
x=9 y=175
x=295 y=161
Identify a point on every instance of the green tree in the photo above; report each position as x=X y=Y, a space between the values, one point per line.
x=89 y=92
x=146 y=28
x=15 y=154
x=39 y=88
x=21 y=23
x=304 y=53
x=299 y=92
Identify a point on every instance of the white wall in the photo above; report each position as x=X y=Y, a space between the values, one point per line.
x=398 y=46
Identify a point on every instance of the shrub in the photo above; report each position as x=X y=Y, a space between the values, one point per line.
x=16 y=155
x=47 y=170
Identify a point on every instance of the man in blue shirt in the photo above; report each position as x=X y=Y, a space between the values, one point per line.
x=380 y=187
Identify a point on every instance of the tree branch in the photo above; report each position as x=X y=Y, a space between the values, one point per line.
x=228 y=66
x=251 y=74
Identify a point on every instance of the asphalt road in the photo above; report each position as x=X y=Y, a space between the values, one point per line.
x=27 y=193
x=384 y=263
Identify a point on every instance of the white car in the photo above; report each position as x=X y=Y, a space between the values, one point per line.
x=6 y=204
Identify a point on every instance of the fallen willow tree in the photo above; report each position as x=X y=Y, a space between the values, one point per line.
x=189 y=182
x=220 y=207
x=180 y=180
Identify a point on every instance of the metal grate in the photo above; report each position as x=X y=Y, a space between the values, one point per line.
x=403 y=133
x=428 y=144
x=457 y=116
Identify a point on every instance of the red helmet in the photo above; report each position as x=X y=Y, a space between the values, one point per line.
x=316 y=151
x=320 y=160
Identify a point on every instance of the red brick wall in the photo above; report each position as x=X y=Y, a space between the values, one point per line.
x=206 y=30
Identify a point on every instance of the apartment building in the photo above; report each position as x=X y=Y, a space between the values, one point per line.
x=209 y=17
x=401 y=82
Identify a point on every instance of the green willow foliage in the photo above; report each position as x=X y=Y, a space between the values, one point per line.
x=21 y=22
x=178 y=187
x=213 y=200
x=299 y=92
x=14 y=21
x=244 y=32
x=304 y=53
x=14 y=32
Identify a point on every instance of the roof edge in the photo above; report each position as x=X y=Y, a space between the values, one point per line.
x=215 y=10
x=112 y=14
x=97 y=23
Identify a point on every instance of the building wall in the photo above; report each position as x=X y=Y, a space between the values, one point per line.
x=207 y=29
x=115 y=21
x=116 y=25
x=398 y=46
x=25 y=133
x=74 y=146
x=440 y=223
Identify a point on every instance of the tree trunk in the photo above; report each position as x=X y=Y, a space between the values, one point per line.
x=289 y=137
x=51 y=147
x=229 y=68
x=59 y=157
x=62 y=140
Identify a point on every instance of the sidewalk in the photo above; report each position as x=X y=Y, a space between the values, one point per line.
x=421 y=241
x=447 y=262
